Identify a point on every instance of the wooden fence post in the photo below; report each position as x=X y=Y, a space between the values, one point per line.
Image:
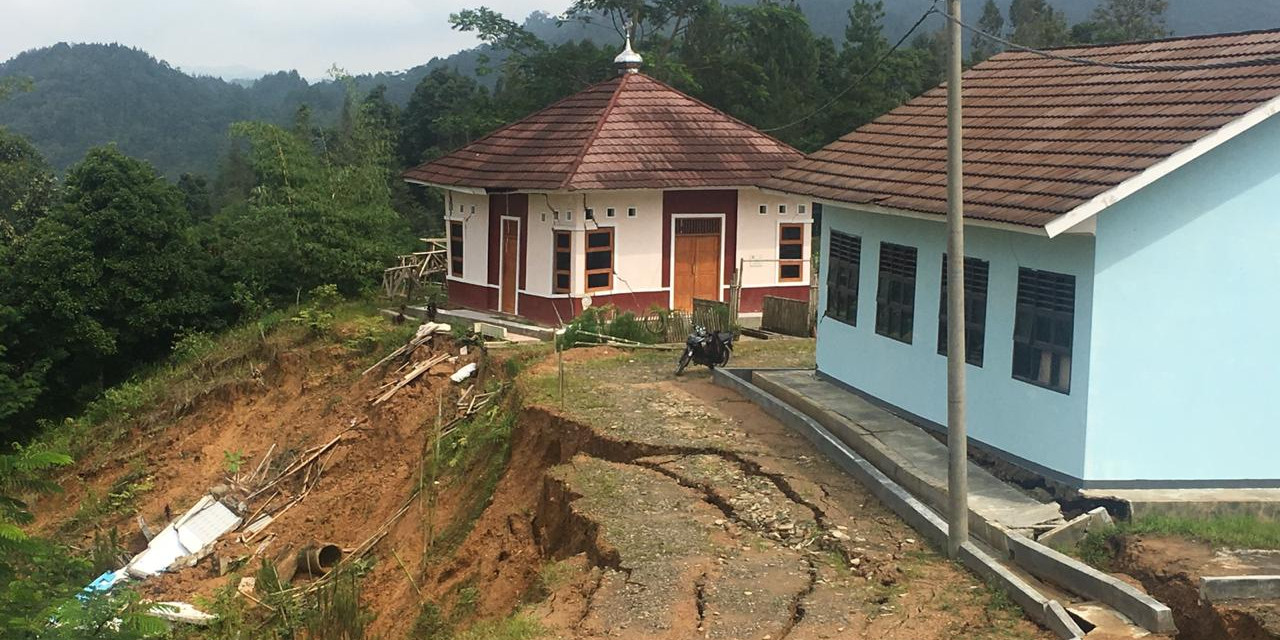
x=735 y=294
x=813 y=306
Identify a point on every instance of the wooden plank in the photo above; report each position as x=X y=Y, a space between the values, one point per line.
x=787 y=316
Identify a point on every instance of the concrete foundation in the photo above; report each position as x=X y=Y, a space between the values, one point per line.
x=1240 y=588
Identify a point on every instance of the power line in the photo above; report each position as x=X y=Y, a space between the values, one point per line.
x=1255 y=62
x=864 y=76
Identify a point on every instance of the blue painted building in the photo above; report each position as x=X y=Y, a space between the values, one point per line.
x=1122 y=258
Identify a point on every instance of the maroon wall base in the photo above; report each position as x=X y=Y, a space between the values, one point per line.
x=548 y=311
x=753 y=298
x=634 y=302
x=472 y=296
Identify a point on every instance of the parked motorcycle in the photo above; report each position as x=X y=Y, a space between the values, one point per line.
x=708 y=348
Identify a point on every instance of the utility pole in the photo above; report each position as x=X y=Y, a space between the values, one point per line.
x=957 y=439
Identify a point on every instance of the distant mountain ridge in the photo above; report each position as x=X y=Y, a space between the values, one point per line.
x=91 y=94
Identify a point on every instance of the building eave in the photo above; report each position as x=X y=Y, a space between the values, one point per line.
x=904 y=213
x=1177 y=160
x=475 y=191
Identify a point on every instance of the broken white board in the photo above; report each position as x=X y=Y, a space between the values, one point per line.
x=181 y=612
x=162 y=551
x=190 y=537
x=463 y=373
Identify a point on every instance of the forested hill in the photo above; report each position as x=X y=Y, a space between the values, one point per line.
x=86 y=95
x=91 y=94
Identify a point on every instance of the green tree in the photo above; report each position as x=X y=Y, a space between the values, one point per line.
x=992 y=22
x=27 y=186
x=878 y=83
x=1035 y=23
x=770 y=86
x=446 y=111
x=196 y=196
x=105 y=281
x=319 y=211
x=1124 y=21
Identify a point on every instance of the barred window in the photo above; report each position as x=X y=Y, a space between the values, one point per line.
x=790 y=252
x=975 y=310
x=563 y=265
x=843 y=257
x=896 y=295
x=455 y=249
x=1042 y=330
x=599 y=271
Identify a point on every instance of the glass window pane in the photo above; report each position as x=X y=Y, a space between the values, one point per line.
x=599 y=239
x=562 y=261
x=790 y=252
x=597 y=280
x=792 y=232
x=599 y=260
x=790 y=271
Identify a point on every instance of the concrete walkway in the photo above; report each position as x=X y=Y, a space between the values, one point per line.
x=906 y=453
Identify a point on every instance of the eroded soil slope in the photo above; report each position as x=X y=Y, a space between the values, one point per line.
x=643 y=506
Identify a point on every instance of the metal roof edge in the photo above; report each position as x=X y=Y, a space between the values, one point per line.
x=1163 y=168
x=475 y=191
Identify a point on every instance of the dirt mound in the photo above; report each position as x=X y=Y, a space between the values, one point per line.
x=1170 y=569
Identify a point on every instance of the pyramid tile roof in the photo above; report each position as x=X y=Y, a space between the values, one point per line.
x=630 y=132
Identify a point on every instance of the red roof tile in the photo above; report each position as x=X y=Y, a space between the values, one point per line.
x=1044 y=136
x=630 y=132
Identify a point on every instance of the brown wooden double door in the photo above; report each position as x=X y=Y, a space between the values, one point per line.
x=697 y=260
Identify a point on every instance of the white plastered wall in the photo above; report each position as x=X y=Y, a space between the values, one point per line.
x=637 y=241
x=473 y=211
x=758 y=235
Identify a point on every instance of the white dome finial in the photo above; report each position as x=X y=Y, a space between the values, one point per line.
x=628 y=61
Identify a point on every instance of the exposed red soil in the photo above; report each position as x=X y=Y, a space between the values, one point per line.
x=749 y=579
x=1170 y=568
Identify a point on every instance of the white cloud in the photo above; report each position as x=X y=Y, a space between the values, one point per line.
x=310 y=36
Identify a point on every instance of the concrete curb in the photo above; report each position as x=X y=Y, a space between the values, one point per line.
x=1213 y=589
x=1082 y=579
x=1047 y=612
x=1037 y=559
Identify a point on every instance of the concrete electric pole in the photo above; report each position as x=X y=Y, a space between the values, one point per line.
x=957 y=439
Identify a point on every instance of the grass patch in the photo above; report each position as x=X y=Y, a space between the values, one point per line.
x=1098 y=548
x=1237 y=532
x=516 y=627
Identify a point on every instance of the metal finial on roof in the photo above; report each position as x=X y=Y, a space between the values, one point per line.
x=628 y=61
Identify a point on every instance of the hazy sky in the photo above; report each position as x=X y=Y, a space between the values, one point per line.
x=234 y=37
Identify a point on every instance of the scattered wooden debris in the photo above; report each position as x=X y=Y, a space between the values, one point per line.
x=423 y=336
x=418 y=370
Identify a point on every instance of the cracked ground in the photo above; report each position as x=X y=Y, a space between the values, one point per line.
x=709 y=519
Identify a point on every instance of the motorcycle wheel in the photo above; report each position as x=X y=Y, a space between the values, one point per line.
x=725 y=359
x=684 y=362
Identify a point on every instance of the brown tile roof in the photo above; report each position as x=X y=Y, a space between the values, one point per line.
x=629 y=132
x=1043 y=136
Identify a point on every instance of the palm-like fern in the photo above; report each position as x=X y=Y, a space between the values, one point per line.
x=24 y=472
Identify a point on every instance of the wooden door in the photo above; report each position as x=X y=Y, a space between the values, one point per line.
x=510 y=262
x=697 y=261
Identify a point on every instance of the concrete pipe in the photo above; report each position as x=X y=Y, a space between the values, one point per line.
x=319 y=559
